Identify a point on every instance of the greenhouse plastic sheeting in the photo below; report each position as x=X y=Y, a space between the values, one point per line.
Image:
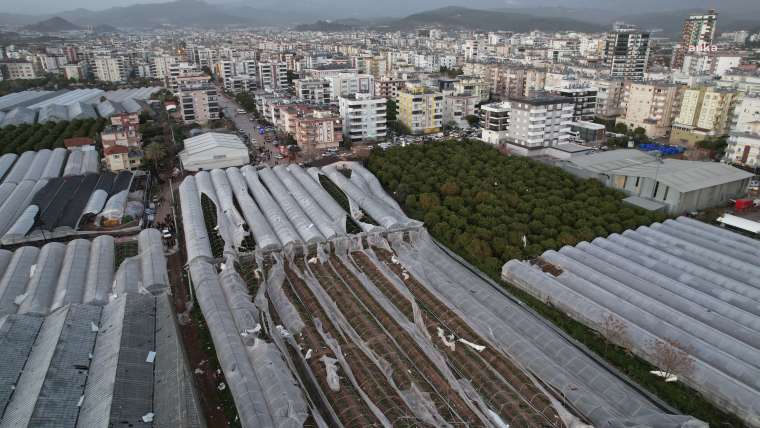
x=42 y=284
x=90 y=162
x=308 y=204
x=37 y=166
x=155 y=277
x=6 y=189
x=17 y=335
x=5 y=259
x=196 y=236
x=74 y=163
x=20 y=168
x=127 y=334
x=235 y=221
x=374 y=185
x=16 y=277
x=73 y=276
x=384 y=214
x=315 y=189
x=527 y=339
x=304 y=225
x=644 y=279
x=175 y=398
x=100 y=270
x=55 y=163
x=24 y=223
x=262 y=232
x=15 y=204
x=49 y=389
x=6 y=162
x=127 y=278
x=274 y=214
x=73 y=211
x=248 y=394
x=113 y=211
x=232 y=236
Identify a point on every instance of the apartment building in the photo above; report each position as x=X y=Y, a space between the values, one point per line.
x=345 y=84
x=494 y=122
x=583 y=99
x=744 y=139
x=198 y=101
x=364 y=117
x=626 y=53
x=705 y=112
x=272 y=75
x=651 y=105
x=389 y=88
x=161 y=65
x=318 y=131
x=182 y=71
x=697 y=34
x=12 y=70
x=313 y=91
x=472 y=85
x=421 y=110
x=609 y=97
x=516 y=81
x=457 y=107
x=538 y=122
x=122 y=144
x=110 y=69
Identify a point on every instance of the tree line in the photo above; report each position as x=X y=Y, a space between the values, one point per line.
x=49 y=135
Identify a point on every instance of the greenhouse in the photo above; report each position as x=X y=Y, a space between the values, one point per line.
x=316 y=326
x=77 y=353
x=680 y=288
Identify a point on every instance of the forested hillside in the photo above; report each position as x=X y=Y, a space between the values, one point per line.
x=491 y=208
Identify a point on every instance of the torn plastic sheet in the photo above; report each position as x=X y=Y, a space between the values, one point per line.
x=420 y=338
x=285 y=309
x=333 y=380
x=262 y=232
x=231 y=235
x=306 y=228
x=233 y=356
x=224 y=193
x=320 y=195
x=308 y=204
x=512 y=331
x=277 y=219
x=374 y=185
x=239 y=301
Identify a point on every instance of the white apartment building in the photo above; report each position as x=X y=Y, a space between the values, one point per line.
x=109 y=69
x=160 y=66
x=583 y=99
x=456 y=108
x=494 y=122
x=18 y=70
x=345 y=84
x=744 y=139
x=364 y=117
x=272 y=75
x=538 y=122
x=198 y=102
x=313 y=91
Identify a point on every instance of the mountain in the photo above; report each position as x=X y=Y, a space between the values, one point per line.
x=52 y=25
x=148 y=15
x=326 y=26
x=489 y=20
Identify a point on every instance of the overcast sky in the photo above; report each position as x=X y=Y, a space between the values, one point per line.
x=638 y=6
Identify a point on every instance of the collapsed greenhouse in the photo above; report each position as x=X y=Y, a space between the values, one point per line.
x=36 y=202
x=328 y=306
x=84 y=346
x=680 y=288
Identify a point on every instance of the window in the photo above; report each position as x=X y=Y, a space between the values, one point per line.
x=656 y=188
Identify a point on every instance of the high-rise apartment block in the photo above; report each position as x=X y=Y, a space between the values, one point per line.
x=364 y=117
x=697 y=35
x=626 y=53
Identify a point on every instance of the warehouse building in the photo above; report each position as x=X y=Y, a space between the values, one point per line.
x=675 y=186
x=213 y=150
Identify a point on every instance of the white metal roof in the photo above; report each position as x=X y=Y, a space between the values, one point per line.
x=740 y=223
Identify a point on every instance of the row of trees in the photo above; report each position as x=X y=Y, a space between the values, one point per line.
x=38 y=136
x=490 y=208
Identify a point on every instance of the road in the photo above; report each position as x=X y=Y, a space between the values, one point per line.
x=250 y=128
